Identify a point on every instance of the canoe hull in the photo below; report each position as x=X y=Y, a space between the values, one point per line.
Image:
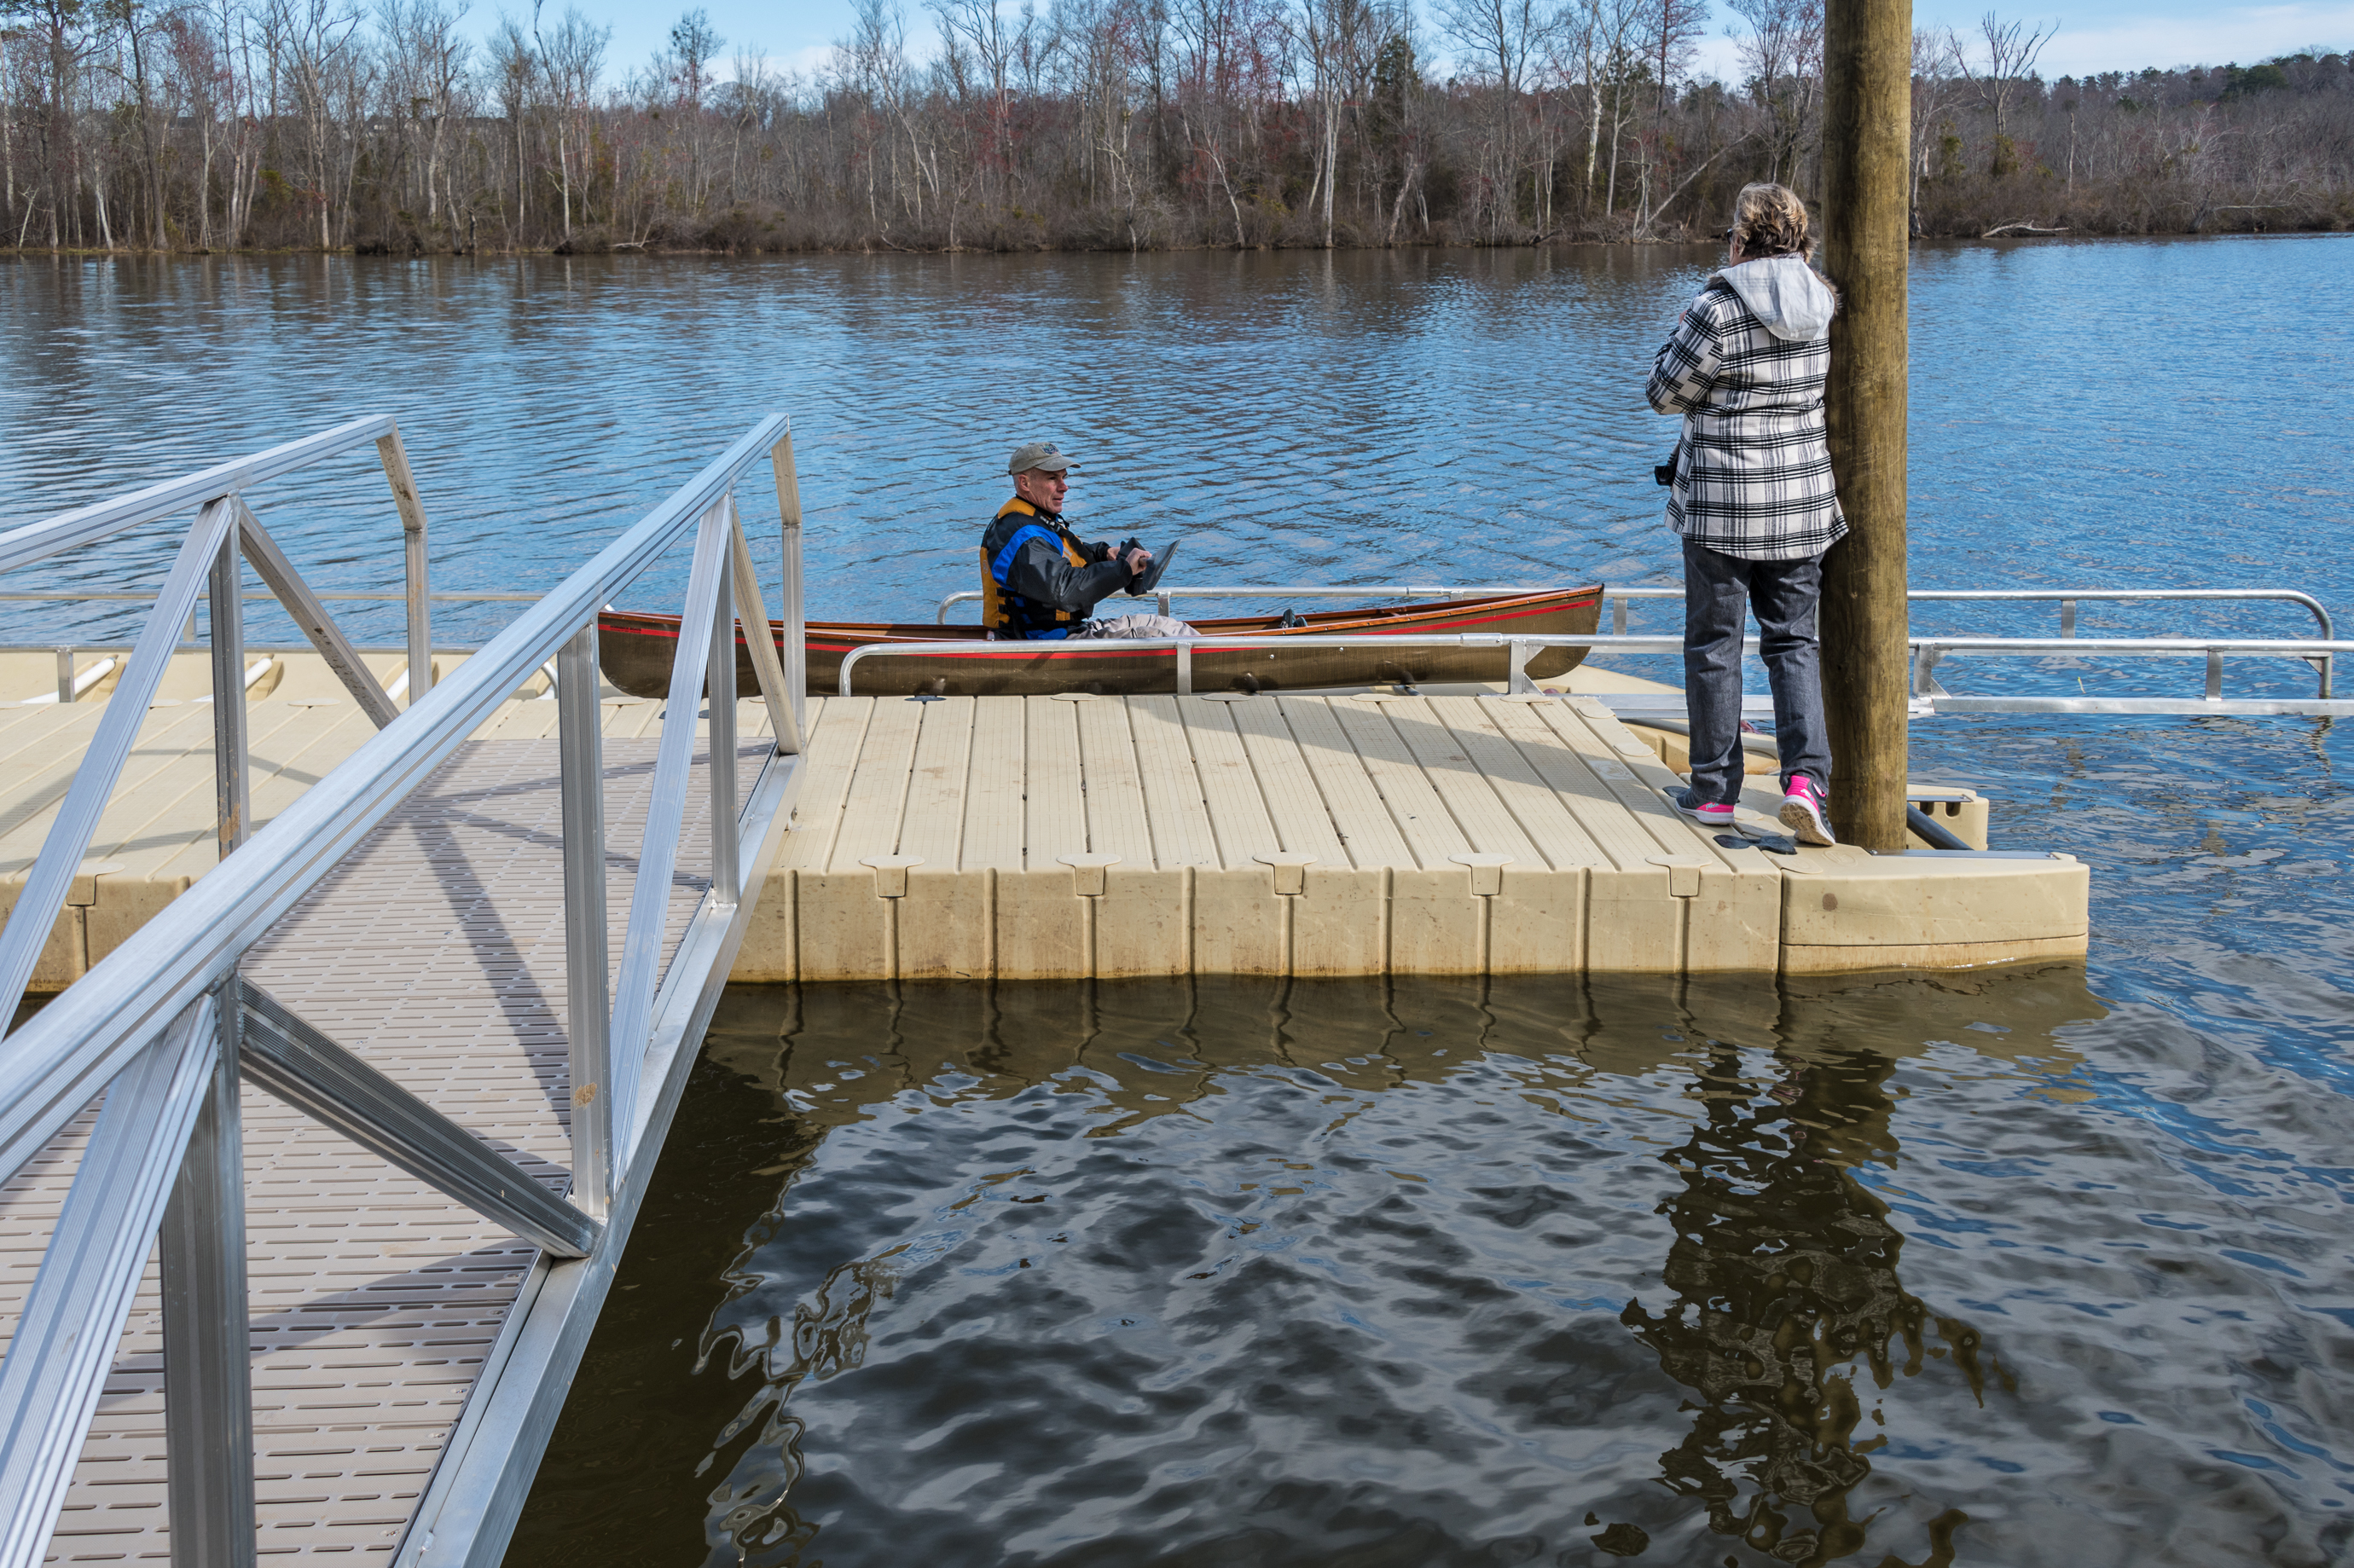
x=635 y=651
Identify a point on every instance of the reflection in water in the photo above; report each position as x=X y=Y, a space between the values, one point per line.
x=1343 y=1272
x=1784 y=1271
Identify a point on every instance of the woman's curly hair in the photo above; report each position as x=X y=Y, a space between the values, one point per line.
x=1771 y=220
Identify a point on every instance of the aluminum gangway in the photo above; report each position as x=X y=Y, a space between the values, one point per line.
x=381 y=1093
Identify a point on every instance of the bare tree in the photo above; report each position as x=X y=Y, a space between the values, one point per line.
x=1782 y=50
x=572 y=64
x=1671 y=31
x=312 y=41
x=2011 y=49
x=1507 y=32
x=1937 y=74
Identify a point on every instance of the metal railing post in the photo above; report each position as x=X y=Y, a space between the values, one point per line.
x=71 y=1322
x=2214 y=674
x=587 y=997
x=1519 y=653
x=789 y=514
x=65 y=675
x=719 y=687
x=394 y=459
x=784 y=723
x=2067 y=618
x=207 y=1364
x=230 y=771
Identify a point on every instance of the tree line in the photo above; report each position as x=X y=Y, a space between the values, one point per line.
x=1129 y=124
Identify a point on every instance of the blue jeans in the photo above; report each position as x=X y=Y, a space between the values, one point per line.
x=1719 y=591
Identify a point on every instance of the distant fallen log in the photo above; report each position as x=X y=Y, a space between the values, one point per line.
x=2000 y=230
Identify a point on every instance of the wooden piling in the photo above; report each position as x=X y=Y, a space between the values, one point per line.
x=1867 y=146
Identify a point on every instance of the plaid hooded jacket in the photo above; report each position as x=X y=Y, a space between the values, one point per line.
x=1746 y=368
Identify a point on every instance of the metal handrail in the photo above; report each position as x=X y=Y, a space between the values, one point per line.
x=1927 y=651
x=87 y=525
x=99 y=520
x=54 y=595
x=2066 y=598
x=159 y=1023
x=1519 y=649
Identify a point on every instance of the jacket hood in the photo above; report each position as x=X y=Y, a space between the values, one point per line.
x=1783 y=293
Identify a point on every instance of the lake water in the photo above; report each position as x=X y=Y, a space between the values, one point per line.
x=2009 y=1269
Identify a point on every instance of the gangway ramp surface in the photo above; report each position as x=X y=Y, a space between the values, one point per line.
x=436 y=952
x=310 y=1189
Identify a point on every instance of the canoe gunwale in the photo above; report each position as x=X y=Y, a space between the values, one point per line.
x=995 y=668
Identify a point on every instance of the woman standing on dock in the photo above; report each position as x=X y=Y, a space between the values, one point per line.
x=1751 y=495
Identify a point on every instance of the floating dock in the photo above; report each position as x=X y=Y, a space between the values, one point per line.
x=1074 y=836
x=1079 y=836
x=408 y=1354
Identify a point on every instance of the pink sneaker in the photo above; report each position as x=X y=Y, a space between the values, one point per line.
x=1803 y=812
x=1717 y=817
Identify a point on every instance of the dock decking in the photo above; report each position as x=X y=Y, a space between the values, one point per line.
x=1075 y=836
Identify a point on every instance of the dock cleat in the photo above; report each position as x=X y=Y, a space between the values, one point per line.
x=1714 y=815
x=1802 y=812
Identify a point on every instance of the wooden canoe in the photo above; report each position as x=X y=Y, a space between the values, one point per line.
x=636 y=650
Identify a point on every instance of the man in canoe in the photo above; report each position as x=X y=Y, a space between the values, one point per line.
x=1039 y=581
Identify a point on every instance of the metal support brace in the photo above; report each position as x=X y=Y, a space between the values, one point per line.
x=394 y=459
x=641 y=945
x=784 y=715
x=2214 y=674
x=588 y=1003
x=311 y=616
x=719 y=686
x=231 y=793
x=64 y=675
x=324 y=1081
x=207 y=1354
x=2067 y=618
x=65 y=1339
x=44 y=891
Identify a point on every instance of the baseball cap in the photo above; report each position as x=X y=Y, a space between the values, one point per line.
x=1038 y=454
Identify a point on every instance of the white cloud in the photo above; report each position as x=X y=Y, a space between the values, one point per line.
x=2242 y=36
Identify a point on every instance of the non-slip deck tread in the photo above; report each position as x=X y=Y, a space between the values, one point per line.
x=1360 y=822
x=1408 y=794
x=434 y=951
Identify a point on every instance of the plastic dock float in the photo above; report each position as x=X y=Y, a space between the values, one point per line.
x=1075 y=836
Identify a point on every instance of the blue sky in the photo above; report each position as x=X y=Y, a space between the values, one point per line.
x=2108 y=34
